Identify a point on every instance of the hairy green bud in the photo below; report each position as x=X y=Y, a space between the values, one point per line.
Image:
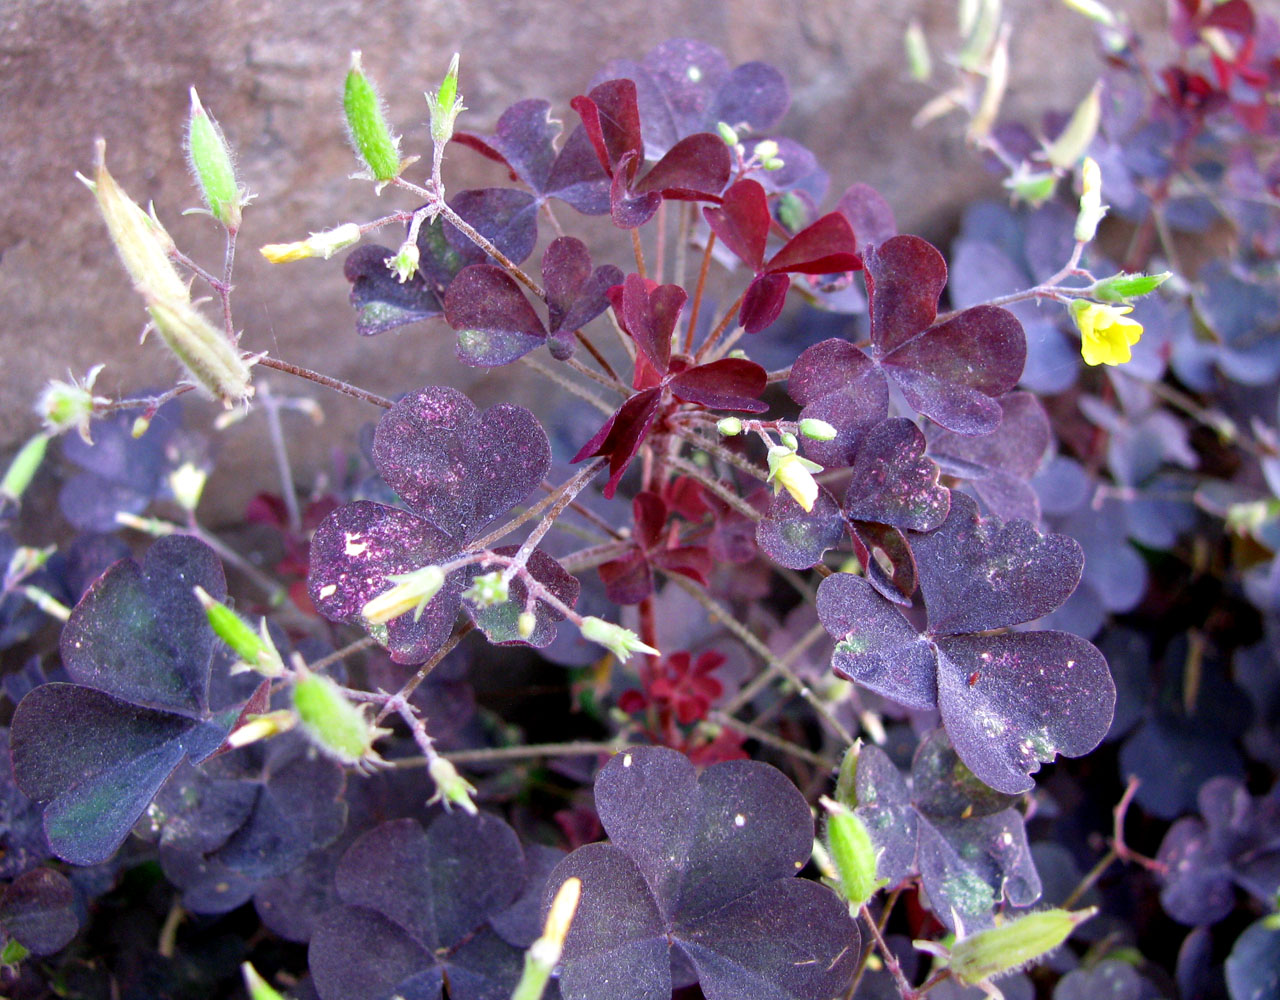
x=1004 y=949
x=336 y=726
x=212 y=166
x=727 y=133
x=729 y=427
x=855 y=857
x=371 y=137
x=817 y=430
x=445 y=105
x=254 y=648
x=1121 y=287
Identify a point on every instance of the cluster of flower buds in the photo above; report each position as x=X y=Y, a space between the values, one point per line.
x=212 y=361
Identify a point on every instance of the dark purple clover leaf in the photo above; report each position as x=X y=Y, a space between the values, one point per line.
x=882 y=799
x=1008 y=701
x=950 y=372
x=700 y=872
x=430 y=923
x=836 y=382
x=1001 y=464
x=875 y=644
x=685 y=86
x=965 y=841
x=1253 y=967
x=357 y=548
x=742 y=221
x=294 y=806
x=1234 y=842
x=868 y=213
x=982 y=573
x=138 y=646
x=499 y=621
x=494 y=322
x=455 y=466
x=893 y=482
x=38 y=911
x=796 y=538
x=23 y=844
x=575 y=293
x=525 y=143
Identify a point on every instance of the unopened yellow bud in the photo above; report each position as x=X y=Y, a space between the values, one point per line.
x=324 y=244
x=1092 y=210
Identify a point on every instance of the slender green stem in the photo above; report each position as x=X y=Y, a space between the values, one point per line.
x=423 y=671
x=530 y=751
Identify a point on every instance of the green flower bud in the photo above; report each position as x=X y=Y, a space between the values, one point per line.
x=412 y=592
x=817 y=430
x=336 y=726
x=789 y=440
x=1121 y=287
x=854 y=855
x=618 y=640
x=254 y=648
x=792 y=212
x=526 y=622
x=846 y=787
x=14 y=952
x=404 y=265
x=66 y=405
x=1000 y=950
x=23 y=468
x=370 y=135
x=259 y=988
x=919 y=62
x=451 y=788
x=1074 y=140
x=141 y=425
x=212 y=166
x=729 y=427
x=445 y=105
x=487 y=590
x=727 y=133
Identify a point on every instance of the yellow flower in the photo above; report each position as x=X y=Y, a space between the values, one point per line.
x=789 y=471
x=1105 y=334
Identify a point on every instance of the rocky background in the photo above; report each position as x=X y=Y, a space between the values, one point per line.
x=271 y=71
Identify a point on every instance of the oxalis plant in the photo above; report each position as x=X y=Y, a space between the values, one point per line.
x=299 y=749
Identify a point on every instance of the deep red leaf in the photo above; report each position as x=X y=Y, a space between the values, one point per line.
x=741 y=221
x=694 y=168
x=905 y=277
x=826 y=247
x=622 y=434
x=766 y=295
x=727 y=384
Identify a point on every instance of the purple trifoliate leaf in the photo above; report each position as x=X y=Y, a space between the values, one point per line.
x=890 y=564
x=354 y=552
x=455 y=466
x=499 y=622
x=630 y=210
x=611 y=118
x=905 y=277
x=694 y=169
x=980 y=574
x=495 y=323
x=140 y=634
x=727 y=384
x=1000 y=464
x=1011 y=702
x=869 y=215
x=650 y=315
x=875 y=644
x=796 y=538
x=741 y=221
x=763 y=302
x=893 y=482
x=506 y=217
x=575 y=293
x=883 y=803
x=836 y=382
x=38 y=911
